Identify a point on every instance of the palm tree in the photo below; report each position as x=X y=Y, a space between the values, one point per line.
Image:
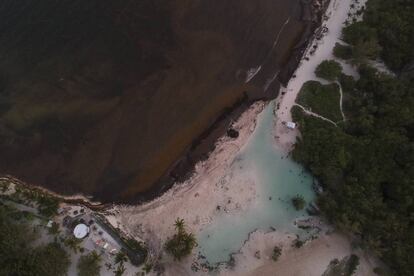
x=73 y=244
x=120 y=258
x=120 y=269
x=182 y=243
x=179 y=225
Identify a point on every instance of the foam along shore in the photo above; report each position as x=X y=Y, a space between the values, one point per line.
x=337 y=15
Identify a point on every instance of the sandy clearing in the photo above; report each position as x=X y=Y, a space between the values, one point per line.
x=313 y=258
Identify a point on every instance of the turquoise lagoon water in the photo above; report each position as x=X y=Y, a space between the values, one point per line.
x=279 y=179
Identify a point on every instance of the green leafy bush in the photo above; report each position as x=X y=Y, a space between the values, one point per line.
x=342 y=51
x=298 y=202
x=18 y=255
x=89 y=265
x=329 y=70
x=353 y=264
x=277 y=251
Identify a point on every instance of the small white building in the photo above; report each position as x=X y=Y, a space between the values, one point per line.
x=81 y=231
x=49 y=224
x=291 y=125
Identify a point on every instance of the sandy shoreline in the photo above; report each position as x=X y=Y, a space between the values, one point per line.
x=196 y=199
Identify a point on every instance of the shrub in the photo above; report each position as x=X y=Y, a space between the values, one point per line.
x=73 y=243
x=298 y=243
x=147 y=268
x=277 y=251
x=50 y=259
x=298 y=202
x=379 y=271
x=353 y=263
x=358 y=32
x=48 y=206
x=342 y=51
x=138 y=251
x=329 y=70
x=89 y=265
x=365 y=50
x=347 y=82
x=120 y=258
x=120 y=270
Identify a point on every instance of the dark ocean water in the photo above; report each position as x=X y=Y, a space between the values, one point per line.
x=107 y=97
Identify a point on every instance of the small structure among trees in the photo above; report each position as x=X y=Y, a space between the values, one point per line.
x=290 y=125
x=182 y=243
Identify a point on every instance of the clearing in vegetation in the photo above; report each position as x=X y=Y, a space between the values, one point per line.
x=321 y=99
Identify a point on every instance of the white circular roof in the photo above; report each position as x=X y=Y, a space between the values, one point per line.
x=81 y=231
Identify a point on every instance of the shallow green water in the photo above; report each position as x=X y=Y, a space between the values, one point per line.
x=278 y=179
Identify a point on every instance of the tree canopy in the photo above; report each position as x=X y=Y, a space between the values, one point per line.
x=321 y=99
x=89 y=265
x=18 y=255
x=329 y=70
x=386 y=31
x=366 y=165
x=342 y=51
x=182 y=243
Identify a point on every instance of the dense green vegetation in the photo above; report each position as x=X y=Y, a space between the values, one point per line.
x=321 y=99
x=89 y=265
x=329 y=70
x=345 y=267
x=342 y=51
x=182 y=243
x=364 y=41
x=18 y=255
x=45 y=203
x=386 y=31
x=366 y=166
